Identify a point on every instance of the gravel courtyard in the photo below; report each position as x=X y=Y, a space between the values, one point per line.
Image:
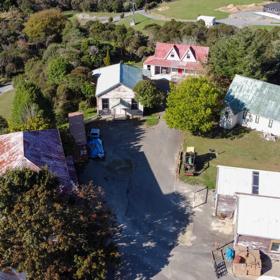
x=162 y=236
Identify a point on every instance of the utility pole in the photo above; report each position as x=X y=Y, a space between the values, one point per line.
x=133 y=8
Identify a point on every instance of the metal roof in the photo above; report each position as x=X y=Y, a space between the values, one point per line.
x=258 y=97
x=77 y=127
x=35 y=150
x=111 y=76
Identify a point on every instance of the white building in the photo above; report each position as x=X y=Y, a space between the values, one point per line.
x=257 y=224
x=114 y=90
x=252 y=103
x=176 y=61
x=231 y=180
x=208 y=20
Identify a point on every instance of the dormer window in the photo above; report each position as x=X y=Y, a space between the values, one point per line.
x=172 y=55
x=188 y=56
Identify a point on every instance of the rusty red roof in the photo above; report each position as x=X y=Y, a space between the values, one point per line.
x=35 y=150
x=163 y=49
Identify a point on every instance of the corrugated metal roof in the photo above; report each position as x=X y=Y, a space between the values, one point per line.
x=35 y=150
x=77 y=127
x=258 y=97
x=113 y=75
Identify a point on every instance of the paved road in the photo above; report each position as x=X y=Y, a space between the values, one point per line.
x=6 y=88
x=243 y=19
x=158 y=224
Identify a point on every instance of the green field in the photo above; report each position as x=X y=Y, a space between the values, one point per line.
x=140 y=22
x=6 y=100
x=191 y=9
x=247 y=150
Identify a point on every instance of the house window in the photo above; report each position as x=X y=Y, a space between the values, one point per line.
x=105 y=104
x=188 y=56
x=270 y=123
x=255 y=183
x=275 y=246
x=257 y=119
x=172 y=55
x=149 y=67
x=134 y=104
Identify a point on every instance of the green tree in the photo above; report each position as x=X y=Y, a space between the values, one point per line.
x=57 y=69
x=51 y=235
x=107 y=58
x=147 y=94
x=249 y=52
x=193 y=105
x=41 y=25
x=29 y=105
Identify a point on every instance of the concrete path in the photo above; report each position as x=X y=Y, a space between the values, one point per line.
x=6 y=88
x=162 y=237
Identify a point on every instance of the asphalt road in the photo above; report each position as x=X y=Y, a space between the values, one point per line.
x=161 y=237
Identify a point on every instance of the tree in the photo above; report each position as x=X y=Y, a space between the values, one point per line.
x=41 y=25
x=107 y=59
x=193 y=105
x=30 y=106
x=249 y=52
x=147 y=94
x=51 y=235
x=57 y=69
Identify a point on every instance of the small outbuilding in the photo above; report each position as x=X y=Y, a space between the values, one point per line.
x=77 y=130
x=257 y=224
x=233 y=180
x=252 y=103
x=273 y=8
x=208 y=20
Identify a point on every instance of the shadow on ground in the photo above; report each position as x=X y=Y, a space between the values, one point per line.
x=150 y=219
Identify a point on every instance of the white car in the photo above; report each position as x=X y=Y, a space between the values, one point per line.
x=268 y=278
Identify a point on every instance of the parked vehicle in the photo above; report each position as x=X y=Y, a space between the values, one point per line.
x=189 y=161
x=95 y=144
x=94 y=133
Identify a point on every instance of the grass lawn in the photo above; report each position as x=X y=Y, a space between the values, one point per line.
x=6 y=100
x=140 y=22
x=152 y=120
x=247 y=150
x=190 y=9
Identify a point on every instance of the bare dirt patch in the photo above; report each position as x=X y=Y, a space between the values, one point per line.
x=231 y=8
x=223 y=226
x=163 y=8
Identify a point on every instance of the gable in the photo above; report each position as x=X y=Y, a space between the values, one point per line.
x=120 y=91
x=189 y=56
x=173 y=54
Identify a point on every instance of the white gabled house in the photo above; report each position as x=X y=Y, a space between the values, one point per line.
x=252 y=103
x=114 y=90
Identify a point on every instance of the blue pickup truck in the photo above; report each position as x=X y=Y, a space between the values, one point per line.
x=95 y=145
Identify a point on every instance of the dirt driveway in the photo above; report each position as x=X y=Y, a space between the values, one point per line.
x=159 y=239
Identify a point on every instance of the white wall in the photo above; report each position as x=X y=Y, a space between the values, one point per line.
x=191 y=57
x=258 y=216
x=152 y=68
x=262 y=125
x=231 y=180
x=174 y=54
x=120 y=92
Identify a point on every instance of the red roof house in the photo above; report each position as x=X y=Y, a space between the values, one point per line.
x=177 y=60
x=35 y=150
